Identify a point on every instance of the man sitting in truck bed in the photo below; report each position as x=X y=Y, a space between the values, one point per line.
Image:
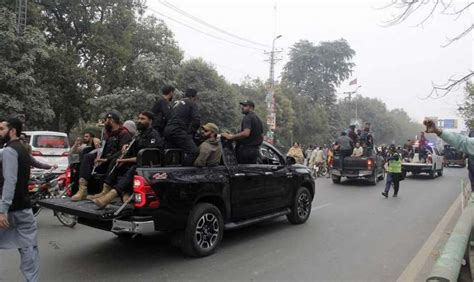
x=210 y=152
x=147 y=138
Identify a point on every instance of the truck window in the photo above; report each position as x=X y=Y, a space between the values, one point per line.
x=269 y=156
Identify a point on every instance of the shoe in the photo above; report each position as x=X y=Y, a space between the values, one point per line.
x=108 y=198
x=395 y=195
x=385 y=194
x=82 y=193
x=105 y=189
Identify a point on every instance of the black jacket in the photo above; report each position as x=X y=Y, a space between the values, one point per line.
x=162 y=111
x=21 y=199
x=114 y=143
x=185 y=116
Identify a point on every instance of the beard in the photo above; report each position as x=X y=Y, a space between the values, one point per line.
x=4 y=140
x=108 y=127
x=142 y=127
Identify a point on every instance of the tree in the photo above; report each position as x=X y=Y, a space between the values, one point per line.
x=315 y=71
x=102 y=48
x=20 y=57
x=466 y=110
x=218 y=101
x=407 y=9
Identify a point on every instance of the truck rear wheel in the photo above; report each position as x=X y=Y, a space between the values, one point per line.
x=433 y=173
x=301 y=206
x=204 y=230
x=336 y=179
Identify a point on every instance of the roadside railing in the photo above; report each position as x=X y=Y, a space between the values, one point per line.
x=454 y=262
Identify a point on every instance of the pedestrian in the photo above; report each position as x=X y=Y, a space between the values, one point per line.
x=77 y=147
x=18 y=228
x=130 y=126
x=460 y=142
x=394 y=171
x=250 y=137
x=182 y=126
x=296 y=152
x=358 y=151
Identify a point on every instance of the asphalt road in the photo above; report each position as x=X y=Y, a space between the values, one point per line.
x=353 y=234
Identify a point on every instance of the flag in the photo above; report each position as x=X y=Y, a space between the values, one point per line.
x=353 y=82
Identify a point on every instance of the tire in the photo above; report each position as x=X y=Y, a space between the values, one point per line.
x=433 y=173
x=301 y=206
x=336 y=179
x=66 y=219
x=204 y=230
x=324 y=171
x=440 y=172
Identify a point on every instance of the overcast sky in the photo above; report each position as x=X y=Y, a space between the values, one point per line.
x=396 y=64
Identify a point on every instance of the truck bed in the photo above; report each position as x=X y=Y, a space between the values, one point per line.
x=85 y=209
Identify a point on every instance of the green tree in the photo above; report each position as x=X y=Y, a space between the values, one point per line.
x=20 y=57
x=466 y=110
x=315 y=71
x=218 y=101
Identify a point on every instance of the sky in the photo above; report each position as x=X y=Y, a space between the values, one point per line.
x=396 y=64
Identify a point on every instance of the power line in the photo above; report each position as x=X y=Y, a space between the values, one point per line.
x=203 y=32
x=186 y=14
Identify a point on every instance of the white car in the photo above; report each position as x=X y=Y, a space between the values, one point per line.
x=431 y=164
x=49 y=147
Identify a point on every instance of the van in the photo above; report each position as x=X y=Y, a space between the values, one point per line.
x=49 y=147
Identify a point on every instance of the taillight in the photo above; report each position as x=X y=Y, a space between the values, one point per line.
x=36 y=154
x=65 y=154
x=369 y=164
x=430 y=158
x=144 y=194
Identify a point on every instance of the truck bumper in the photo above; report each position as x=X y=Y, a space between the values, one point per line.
x=135 y=227
x=353 y=174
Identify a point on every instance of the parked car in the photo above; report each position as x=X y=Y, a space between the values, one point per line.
x=430 y=161
x=49 y=147
x=200 y=203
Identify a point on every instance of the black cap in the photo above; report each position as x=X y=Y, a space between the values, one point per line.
x=248 y=103
x=190 y=92
x=113 y=115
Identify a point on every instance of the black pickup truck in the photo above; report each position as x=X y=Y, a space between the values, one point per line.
x=369 y=167
x=198 y=204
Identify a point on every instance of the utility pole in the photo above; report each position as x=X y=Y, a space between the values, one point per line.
x=270 y=98
x=22 y=7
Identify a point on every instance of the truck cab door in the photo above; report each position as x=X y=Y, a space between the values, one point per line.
x=248 y=190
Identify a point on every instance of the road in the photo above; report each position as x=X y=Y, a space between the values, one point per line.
x=353 y=234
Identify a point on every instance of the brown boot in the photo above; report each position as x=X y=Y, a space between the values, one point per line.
x=82 y=193
x=106 y=199
x=105 y=189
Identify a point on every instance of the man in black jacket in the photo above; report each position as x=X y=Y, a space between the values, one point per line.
x=184 y=122
x=17 y=224
x=162 y=109
x=121 y=179
x=116 y=137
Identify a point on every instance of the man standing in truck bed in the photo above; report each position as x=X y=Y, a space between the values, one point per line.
x=251 y=136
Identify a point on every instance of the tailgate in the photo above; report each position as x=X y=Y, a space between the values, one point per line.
x=86 y=209
x=356 y=163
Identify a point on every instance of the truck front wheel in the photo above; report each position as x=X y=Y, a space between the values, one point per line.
x=336 y=179
x=301 y=207
x=204 y=230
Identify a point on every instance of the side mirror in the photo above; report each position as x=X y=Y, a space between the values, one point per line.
x=290 y=160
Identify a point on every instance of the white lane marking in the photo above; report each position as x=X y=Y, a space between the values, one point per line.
x=321 y=206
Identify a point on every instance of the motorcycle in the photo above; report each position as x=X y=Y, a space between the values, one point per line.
x=48 y=186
